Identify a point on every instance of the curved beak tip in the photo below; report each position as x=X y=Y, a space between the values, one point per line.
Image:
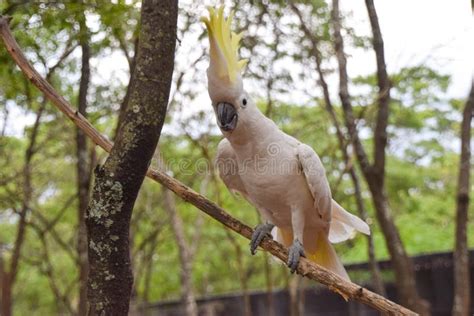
x=226 y=116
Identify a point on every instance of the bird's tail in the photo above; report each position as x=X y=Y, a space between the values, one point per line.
x=324 y=255
x=344 y=224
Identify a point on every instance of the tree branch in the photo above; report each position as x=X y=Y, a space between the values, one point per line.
x=305 y=267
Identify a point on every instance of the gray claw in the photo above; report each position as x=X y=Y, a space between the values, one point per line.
x=259 y=233
x=295 y=251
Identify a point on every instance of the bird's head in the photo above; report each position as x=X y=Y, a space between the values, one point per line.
x=225 y=84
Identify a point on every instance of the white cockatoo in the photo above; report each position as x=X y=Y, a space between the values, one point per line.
x=282 y=177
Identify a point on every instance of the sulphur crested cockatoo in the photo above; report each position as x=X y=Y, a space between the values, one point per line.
x=282 y=177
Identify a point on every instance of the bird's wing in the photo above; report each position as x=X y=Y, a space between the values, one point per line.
x=343 y=224
x=228 y=168
x=315 y=175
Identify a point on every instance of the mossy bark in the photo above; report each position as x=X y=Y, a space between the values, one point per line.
x=118 y=181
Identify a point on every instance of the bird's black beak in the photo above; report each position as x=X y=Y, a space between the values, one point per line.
x=226 y=116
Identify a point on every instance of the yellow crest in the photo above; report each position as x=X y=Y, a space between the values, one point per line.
x=227 y=42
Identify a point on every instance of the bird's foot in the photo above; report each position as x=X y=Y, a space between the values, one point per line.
x=295 y=251
x=259 y=233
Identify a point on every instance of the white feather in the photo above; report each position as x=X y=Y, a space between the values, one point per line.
x=339 y=232
x=340 y=215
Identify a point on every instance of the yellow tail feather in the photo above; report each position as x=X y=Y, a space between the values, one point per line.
x=326 y=256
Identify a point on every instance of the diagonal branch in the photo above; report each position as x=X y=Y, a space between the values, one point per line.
x=305 y=267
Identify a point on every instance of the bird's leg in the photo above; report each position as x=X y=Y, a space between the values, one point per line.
x=296 y=250
x=259 y=233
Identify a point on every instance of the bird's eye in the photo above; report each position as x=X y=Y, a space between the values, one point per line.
x=244 y=102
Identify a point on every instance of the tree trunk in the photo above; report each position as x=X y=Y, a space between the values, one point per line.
x=315 y=51
x=242 y=274
x=377 y=280
x=402 y=264
x=6 y=288
x=145 y=310
x=82 y=164
x=375 y=174
x=2 y=278
x=243 y=281
x=269 y=284
x=9 y=277
x=185 y=250
x=404 y=270
x=462 y=298
x=184 y=255
x=118 y=181
x=296 y=292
